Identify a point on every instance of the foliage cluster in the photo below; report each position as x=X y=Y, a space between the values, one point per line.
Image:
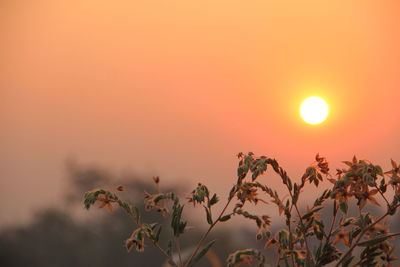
x=307 y=239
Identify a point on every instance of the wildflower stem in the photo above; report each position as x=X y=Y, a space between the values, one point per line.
x=178 y=248
x=309 y=255
x=139 y=224
x=383 y=196
x=290 y=236
x=393 y=235
x=280 y=171
x=388 y=236
x=362 y=234
x=278 y=259
x=333 y=224
x=154 y=243
x=161 y=249
x=209 y=230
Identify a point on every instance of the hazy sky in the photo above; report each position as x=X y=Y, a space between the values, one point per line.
x=177 y=88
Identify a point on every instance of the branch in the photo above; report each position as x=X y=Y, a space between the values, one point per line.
x=309 y=255
x=209 y=230
x=361 y=235
x=383 y=196
x=178 y=247
x=333 y=223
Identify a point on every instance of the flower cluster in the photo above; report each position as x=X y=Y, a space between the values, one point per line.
x=308 y=239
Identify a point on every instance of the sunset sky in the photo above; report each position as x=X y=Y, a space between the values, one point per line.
x=177 y=88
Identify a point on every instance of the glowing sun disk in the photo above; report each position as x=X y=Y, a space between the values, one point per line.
x=314 y=110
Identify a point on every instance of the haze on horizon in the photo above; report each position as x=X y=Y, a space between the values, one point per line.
x=178 y=88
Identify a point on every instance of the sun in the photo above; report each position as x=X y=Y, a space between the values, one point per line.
x=314 y=110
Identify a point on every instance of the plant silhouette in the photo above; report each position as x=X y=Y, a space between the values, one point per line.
x=306 y=240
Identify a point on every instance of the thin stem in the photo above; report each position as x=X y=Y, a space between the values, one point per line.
x=278 y=259
x=209 y=207
x=393 y=235
x=139 y=224
x=282 y=172
x=161 y=249
x=209 y=230
x=154 y=243
x=383 y=196
x=290 y=236
x=388 y=236
x=361 y=235
x=358 y=262
x=328 y=237
x=178 y=247
x=309 y=255
x=333 y=224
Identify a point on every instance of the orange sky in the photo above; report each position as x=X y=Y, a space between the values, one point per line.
x=177 y=88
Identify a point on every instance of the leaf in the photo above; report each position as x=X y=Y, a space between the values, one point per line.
x=373 y=242
x=382 y=185
x=355 y=232
x=136 y=240
x=232 y=192
x=343 y=207
x=306 y=174
x=90 y=197
x=225 y=218
x=177 y=224
x=245 y=256
x=296 y=193
x=347 y=261
x=310 y=213
x=209 y=219
x=199 y=194
x=348 y=163
x=157 y=237
x=348 y=221
x=135 y=213
x=201 y=254
x=378 y=170
x=394 y=164
x=172 y=263
x=213 y=200
x=169 y=248
x=318 y=234
x=335 y=208
x=290 y=186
